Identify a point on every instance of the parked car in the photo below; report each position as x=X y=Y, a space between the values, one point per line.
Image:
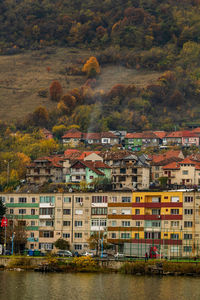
x=64 y=253
x=7 y=252
x=88 y=254
x=119 y=255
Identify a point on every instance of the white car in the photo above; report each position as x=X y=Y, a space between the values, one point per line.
x=88 y=254
x=119 y=255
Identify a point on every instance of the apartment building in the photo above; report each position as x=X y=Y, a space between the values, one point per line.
x=132 y=222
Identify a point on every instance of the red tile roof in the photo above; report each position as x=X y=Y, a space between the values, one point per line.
x=108 y=135
x=160 y=134
x=94 y=166
x=141 y=135
x=187 y=161
x=92 y=136
x=180 y=134
x=167 y=155
x=173 y=165
x=86 y=153
x=72 y=133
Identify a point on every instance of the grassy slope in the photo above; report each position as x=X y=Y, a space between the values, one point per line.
x=23 y=75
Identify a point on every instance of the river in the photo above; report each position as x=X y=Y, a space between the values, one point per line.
x=82 y=286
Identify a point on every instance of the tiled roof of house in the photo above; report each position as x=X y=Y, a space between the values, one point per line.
x=115 y=155
x=196 y=130
x=166 y=161
x=72 y=133
x=180 y=134
x=141 y=135
x=92 y=136
x=86 y=153
x=169 y=154
x=160 y=134
x=54 y=161
x=108 y=134
x=172 y=166
x=94 y=166
x=187 y=161
x=195 y=157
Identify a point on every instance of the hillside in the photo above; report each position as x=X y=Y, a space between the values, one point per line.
x=148 y=52
x=23 y=75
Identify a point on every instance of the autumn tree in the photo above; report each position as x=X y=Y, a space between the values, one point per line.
x=91 y=67
x=70 y=101
x=39 y=117
x=55 y=90
x=62 y=244
x=59 y=130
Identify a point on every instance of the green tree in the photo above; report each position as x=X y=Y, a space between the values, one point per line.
x=62 y=244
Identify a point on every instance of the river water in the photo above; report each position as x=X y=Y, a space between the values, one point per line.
x=30 y=285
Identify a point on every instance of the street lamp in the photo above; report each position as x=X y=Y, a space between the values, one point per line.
x=8 y=169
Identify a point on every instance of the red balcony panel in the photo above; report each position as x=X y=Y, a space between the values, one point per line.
x=157 y=241
x=157 y=217
x=155 y=205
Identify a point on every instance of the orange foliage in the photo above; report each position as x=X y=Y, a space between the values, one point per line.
x=55 y=91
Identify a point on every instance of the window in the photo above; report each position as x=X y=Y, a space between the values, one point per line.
x=47 y=199
x=137 y=235
x=157 y=168
x=78 y=235
x=125 y=235
x=174 y=223
x=66 y=223
x=126 y=211
x=32 y=234
x=174 y=236
x=188 y=199
x=22 y=200
x=32 y=223
x=78 y=247
x=114 y=223
x=137 y=199
x=188 y=224
x=98 y=222
x=32 y=211
x=114 y=211
x=78 y=223
x=46 y=234
x=114 y=199
x=11 y=211
x=156 y=175
x=185 y=172
x=46 y=211
x=174 y=199
x=66 y=235
x=99 y=211
x=67 y=200
x=137 y=223
x=174 y=211
x=79 y=199
x=126 y=199
x=155 y=211
x=66 y=211
x=99 y=199
x=187 y=236
x=187 y=248
x=188 y=211
x=45 y=246
x=33 y=200
x=113 y=235
x=174 y=249
x=78 y=211
x=126 y=223
x=155 y=223
x=152 y=235
x=22 y=211
x=156 y=199
x=11 y=200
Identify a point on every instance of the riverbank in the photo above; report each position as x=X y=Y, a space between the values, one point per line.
x=90 y=265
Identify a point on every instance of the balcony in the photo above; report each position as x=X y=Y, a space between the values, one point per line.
x=46 y=217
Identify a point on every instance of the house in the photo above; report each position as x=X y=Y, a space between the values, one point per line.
x=88 y=171
x=72 y=137
x=186 y=172
x=47 y=134
x=92 y=138
x=184 y=138
x=109 y=138
x=45 y=169
x=128 y=171
x=158 y=161
x=135 y=141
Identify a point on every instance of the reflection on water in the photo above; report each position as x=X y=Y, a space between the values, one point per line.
x=30 y=285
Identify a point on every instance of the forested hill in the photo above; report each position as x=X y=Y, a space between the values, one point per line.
x=148 y=35
x=138 y=24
